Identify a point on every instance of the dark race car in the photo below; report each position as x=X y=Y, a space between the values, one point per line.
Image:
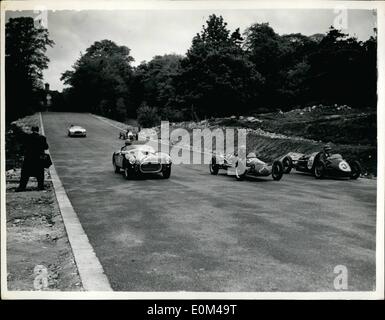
x=139 y=159
x=243 y=167
x=321 y=165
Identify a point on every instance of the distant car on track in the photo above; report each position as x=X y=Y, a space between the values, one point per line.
x=241 y=168
x=147 y=134
x=131 y=133
x=76 y=131
x=139 y=159
x=333 y=165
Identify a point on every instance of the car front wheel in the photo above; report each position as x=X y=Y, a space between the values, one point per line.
x=356 y=170
x=239 y=176
x=214 y=168
x=319 y=170
x=127 y=173
x=166 y=172
x=287 y=163
x=277 y=170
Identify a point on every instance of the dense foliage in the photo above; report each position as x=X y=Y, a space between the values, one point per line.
x=100 y=80
x=25 y=60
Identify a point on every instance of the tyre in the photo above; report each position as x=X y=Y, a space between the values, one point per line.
x=287 y=163
x=238 y=176
x=356 y=170
x=277 y=170
x=127 y=173
x=319 y=169
x=166 y=172
x=214 y=168
x=116 y=168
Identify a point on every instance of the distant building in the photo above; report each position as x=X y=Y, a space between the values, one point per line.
x=50 y=99
x=48 y=96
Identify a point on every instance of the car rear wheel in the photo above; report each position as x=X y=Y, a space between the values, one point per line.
x=214 y=168
x=166 y=173
x=356 y=170
x=287 y=163
x=277 y=170
x=319 y=170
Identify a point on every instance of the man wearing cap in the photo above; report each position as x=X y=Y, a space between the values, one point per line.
x=34 y=146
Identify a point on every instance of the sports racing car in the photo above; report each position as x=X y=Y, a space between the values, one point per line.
x=139 y=159
x=242 y=167
x=76 y=131
x=320 y=165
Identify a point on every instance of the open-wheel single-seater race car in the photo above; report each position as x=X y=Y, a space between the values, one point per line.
x=321 y=165
x=131 y=133
x=243 y=167
x=137 y=159
x=76 y=131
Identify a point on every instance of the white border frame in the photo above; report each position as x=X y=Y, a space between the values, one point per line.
x=198 y=5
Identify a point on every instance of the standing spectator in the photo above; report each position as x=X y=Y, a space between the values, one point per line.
x=34 y=146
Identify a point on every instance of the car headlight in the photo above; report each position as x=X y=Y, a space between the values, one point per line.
x=130 y=159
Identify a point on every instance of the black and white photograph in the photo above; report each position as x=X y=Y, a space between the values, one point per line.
x=192 y=149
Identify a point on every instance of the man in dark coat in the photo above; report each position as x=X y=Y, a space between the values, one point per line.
x=34 y=146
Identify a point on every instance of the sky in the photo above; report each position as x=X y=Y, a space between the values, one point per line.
x=156 y=32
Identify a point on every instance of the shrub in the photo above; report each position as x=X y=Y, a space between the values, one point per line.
x=173 y=115
x=147 y=117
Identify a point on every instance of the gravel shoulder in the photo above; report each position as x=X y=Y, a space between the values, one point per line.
x=39 y=256
x=36 y=237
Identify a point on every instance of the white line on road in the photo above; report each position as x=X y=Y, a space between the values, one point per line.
x=90 y=269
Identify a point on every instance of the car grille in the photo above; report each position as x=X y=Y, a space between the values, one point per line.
x=151 y=167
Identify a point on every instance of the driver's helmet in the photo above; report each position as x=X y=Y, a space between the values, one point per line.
x=327 y=148
x=251 y=155
x=127 y=143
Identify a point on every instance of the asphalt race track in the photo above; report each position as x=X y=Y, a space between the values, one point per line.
x=197 y=232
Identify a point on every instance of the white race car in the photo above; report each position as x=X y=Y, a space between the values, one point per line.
x=240 y=167
x=76 y=131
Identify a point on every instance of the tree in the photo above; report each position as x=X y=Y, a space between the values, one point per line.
x=273 y=56
x=216 y=77
x=154 y=81
x=100 y=79
x=343 y=70
x=25 y=60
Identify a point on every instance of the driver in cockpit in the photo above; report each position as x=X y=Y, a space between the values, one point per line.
x=326 y=152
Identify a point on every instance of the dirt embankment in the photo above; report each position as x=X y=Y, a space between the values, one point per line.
x=39 y=256
x=350 y=132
